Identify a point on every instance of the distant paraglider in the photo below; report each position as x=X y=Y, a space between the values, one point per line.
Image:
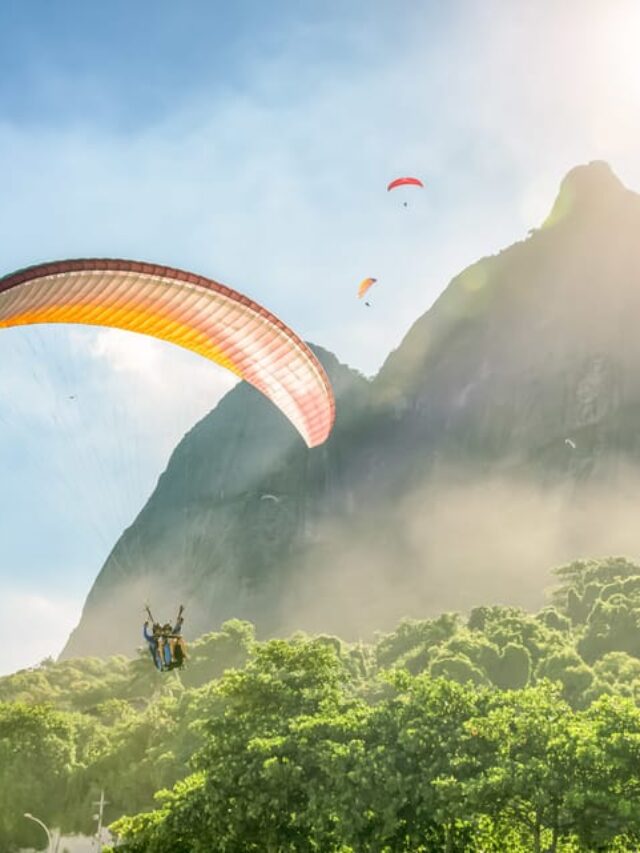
x=570 y=443
x=404 y=182
x=365 y=285
x=409 y=181
x=270 y=498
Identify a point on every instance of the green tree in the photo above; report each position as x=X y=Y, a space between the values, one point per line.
x=525 y=779
x=457 y=668
x=568 y=668
x=37 y=755
x=512 y=668
x=613 y=626
x=412 y=634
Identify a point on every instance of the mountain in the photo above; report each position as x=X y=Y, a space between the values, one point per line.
x=501 y=437
x=240 y=498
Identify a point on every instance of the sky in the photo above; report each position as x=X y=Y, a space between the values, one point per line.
x=252 y=142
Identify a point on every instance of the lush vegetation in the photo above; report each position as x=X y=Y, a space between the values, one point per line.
x=499 y=731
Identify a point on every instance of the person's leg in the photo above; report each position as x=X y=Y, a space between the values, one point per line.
x=178 y=651
x=153 y=651
x=161 y=650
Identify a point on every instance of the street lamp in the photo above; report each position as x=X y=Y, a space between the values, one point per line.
x=36 y=820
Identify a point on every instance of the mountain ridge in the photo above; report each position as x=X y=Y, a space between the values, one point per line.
x=469 y=416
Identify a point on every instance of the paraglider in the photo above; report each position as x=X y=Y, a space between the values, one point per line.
x=570 y=443
x=166 y=645
x=404 y=182
x=365 y=284
x=270 y=498
x=188 y=310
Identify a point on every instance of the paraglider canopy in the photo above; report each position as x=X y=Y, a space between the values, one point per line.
x=189 y=310
x=403 y=182
x=365 y=284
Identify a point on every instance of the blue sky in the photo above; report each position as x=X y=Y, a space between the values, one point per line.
x=252 y=142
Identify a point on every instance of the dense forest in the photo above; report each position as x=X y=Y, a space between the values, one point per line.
x=496 y=730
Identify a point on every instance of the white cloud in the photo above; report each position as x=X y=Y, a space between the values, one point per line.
x=160 y=377
x=35 y=626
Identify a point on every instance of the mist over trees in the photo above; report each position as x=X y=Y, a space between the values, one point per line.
x=494 y=730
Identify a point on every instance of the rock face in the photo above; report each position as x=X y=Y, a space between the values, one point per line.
x=536 y=343
x=241 y=496
x=501 y=437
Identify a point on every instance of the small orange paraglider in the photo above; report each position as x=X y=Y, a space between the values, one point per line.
x=365 y=284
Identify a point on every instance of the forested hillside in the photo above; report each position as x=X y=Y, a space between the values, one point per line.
x=494 y=730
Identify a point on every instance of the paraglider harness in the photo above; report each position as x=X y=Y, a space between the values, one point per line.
x=166 y=643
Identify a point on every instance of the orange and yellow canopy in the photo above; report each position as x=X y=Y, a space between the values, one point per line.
x=364 y=286
x=185 y=309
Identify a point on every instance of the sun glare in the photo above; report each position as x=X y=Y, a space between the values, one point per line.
x=620 y=34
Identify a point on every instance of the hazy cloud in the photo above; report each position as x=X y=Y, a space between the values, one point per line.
x=36 y=626
x=460 y=542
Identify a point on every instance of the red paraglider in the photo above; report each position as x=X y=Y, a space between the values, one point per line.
x=403 y=182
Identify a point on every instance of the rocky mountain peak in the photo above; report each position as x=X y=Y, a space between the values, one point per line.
x=587 y=191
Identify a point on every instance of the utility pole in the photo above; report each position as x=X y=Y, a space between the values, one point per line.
x=101 y=804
